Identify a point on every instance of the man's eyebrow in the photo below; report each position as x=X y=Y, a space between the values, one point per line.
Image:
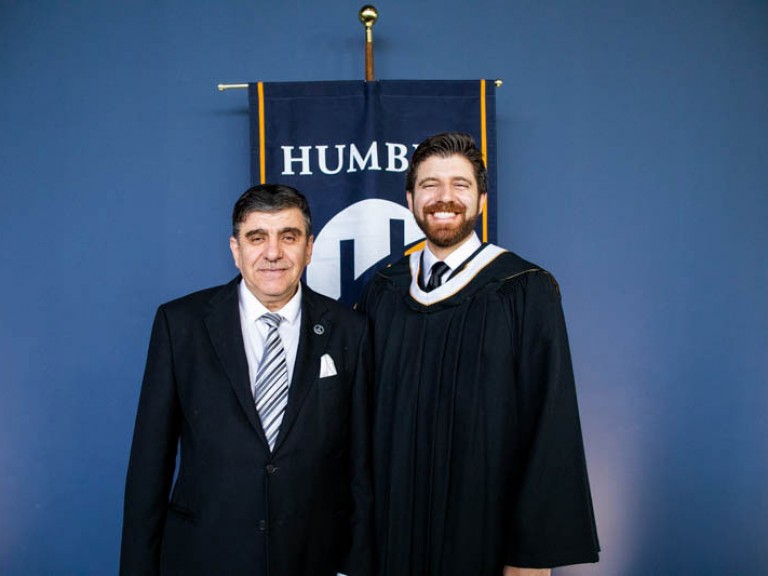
x=427 y=179
x=254 y=232
x=291 y=230
x=262 y=232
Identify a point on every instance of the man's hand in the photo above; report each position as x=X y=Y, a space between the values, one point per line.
x=512 y=571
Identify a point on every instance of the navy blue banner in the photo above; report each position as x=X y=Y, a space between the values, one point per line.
x=346 y=146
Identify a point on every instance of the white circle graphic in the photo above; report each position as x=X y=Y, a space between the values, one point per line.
x=367 y=223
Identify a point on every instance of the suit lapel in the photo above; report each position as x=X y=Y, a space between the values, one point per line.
x=225 y=331
x=315 y=330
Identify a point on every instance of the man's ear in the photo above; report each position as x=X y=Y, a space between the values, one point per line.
x=234 y=247
x=310 y=245
x=483 y=202
x=409 y=199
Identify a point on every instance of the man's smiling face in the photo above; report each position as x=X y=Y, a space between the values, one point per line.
x=445 y=201
x=271 y=251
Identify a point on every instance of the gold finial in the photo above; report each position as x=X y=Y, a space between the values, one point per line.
x=368 y=16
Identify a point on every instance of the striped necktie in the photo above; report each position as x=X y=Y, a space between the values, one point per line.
x=271 y=384
x=436 y=275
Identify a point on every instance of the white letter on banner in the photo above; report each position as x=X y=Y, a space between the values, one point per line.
x=396 y=155
x=288 y=161
x=373 y=155
x=324 y=165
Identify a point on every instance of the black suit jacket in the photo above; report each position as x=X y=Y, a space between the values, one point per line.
x=235 y=508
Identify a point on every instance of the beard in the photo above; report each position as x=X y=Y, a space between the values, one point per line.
x=446 y=235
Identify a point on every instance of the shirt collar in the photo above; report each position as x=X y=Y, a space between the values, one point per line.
x=455 y=258
x=252 y=309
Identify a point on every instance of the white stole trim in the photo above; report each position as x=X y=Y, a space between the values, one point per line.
x=455 y=284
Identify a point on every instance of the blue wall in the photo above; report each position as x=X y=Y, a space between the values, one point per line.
x=633 y=162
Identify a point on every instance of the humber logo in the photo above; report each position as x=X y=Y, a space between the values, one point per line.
x=358 y=240
x=391 y=157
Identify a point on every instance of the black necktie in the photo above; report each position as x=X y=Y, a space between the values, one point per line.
x=436 y=275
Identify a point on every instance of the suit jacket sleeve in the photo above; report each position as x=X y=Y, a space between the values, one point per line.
x=153 y=457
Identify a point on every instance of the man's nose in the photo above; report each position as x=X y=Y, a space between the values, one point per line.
x=274 y=249
x=445 y=193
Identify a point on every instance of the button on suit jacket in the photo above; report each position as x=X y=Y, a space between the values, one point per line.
x=235 y=508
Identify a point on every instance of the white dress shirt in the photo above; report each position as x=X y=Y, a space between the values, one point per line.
x=454 y=259
x=255 y=330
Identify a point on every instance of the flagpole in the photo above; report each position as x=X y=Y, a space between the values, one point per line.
x=368 y=16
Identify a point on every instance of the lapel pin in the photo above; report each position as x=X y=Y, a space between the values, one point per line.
x=319 y=329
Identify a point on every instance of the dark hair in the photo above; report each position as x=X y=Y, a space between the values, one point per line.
x=270 y=198
x=445 y=145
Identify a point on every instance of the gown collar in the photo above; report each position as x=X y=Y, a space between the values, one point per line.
x=459 y=278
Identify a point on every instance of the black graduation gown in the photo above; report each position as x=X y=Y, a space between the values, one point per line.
x=478 y=455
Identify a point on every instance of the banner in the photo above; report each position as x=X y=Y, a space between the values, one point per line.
x=346 y=146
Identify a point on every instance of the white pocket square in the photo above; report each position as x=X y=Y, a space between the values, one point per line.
x=327 y=366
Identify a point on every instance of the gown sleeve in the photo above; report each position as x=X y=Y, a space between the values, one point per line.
x=551 y=521
x=370 y=296
x=359 y=559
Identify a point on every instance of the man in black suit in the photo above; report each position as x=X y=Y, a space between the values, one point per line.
x=263 y=384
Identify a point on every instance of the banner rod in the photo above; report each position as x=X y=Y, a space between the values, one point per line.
x=222 y=87
x=368 y=16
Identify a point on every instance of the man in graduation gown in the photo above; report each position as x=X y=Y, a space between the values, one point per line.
x=478 y=461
